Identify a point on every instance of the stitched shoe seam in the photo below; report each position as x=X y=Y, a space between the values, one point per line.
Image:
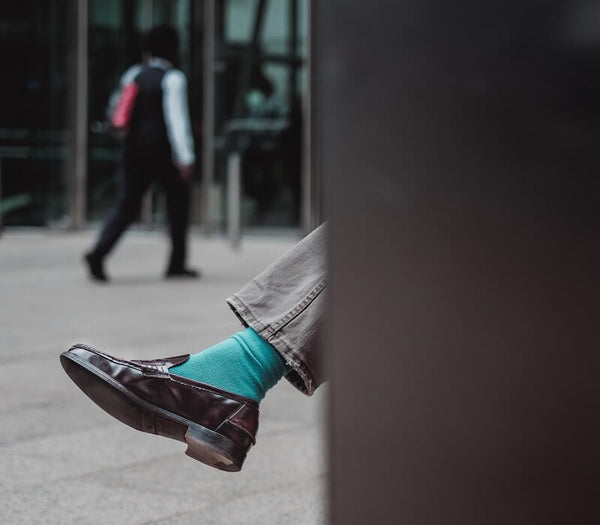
x=240 y=427
x=237 y=411
x=240 y=424
x=110 y=358
x=172 y=378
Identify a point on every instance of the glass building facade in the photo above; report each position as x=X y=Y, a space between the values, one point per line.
x=246 y=62
x=33 y=111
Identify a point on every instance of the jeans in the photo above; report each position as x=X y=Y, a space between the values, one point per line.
x=285 y=304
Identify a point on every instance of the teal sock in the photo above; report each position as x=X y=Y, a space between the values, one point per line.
x=244 y=364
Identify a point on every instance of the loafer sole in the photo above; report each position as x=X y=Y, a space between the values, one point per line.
x=203 y=444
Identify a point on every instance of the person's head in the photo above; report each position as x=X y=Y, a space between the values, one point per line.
x=163 y=42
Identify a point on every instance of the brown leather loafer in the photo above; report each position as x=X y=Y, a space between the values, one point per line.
x=219 y=427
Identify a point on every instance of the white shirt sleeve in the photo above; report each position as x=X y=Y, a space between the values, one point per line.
x=177 y=117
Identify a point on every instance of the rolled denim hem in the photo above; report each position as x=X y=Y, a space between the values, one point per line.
x=285 y=305
x=301 y=376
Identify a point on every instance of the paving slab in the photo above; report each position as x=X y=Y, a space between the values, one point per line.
x=63 y=460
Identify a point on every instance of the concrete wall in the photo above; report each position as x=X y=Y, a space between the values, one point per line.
x=458 y=142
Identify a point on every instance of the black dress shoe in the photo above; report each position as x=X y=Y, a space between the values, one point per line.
x=219 y=427
x=186 y=273
x=95 y=267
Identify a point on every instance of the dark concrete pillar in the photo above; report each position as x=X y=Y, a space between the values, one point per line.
x=459 y=146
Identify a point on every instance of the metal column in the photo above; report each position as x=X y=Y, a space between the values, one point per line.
x=234 y=198
x=311 y=214
x=78 y=101
x=234 y=160
x=208 y=154
x=1 y=197
x=147 y=212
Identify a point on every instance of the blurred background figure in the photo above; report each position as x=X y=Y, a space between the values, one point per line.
x=246 y=63
x=158 y=147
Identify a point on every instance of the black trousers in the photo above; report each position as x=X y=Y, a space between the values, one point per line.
x=141 y=167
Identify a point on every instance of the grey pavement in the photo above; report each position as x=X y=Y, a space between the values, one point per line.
x=63 y=460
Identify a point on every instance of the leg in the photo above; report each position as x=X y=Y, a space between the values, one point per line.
x=178 y=214
x=210 y=400
x=285 y=306
x=134 y=184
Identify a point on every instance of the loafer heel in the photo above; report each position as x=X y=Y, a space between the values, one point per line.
x=207 y=447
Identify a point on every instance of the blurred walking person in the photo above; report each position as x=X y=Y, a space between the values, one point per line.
x=158 y=146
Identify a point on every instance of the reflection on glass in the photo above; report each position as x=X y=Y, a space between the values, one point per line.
x=260 y=50
x=258 y=101
x=33 y=98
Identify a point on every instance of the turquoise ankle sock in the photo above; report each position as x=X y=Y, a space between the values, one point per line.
x=244 y=364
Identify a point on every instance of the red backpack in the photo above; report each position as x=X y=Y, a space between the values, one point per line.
x=121 y=117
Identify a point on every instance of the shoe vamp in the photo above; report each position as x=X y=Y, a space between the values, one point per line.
x=190 y=402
